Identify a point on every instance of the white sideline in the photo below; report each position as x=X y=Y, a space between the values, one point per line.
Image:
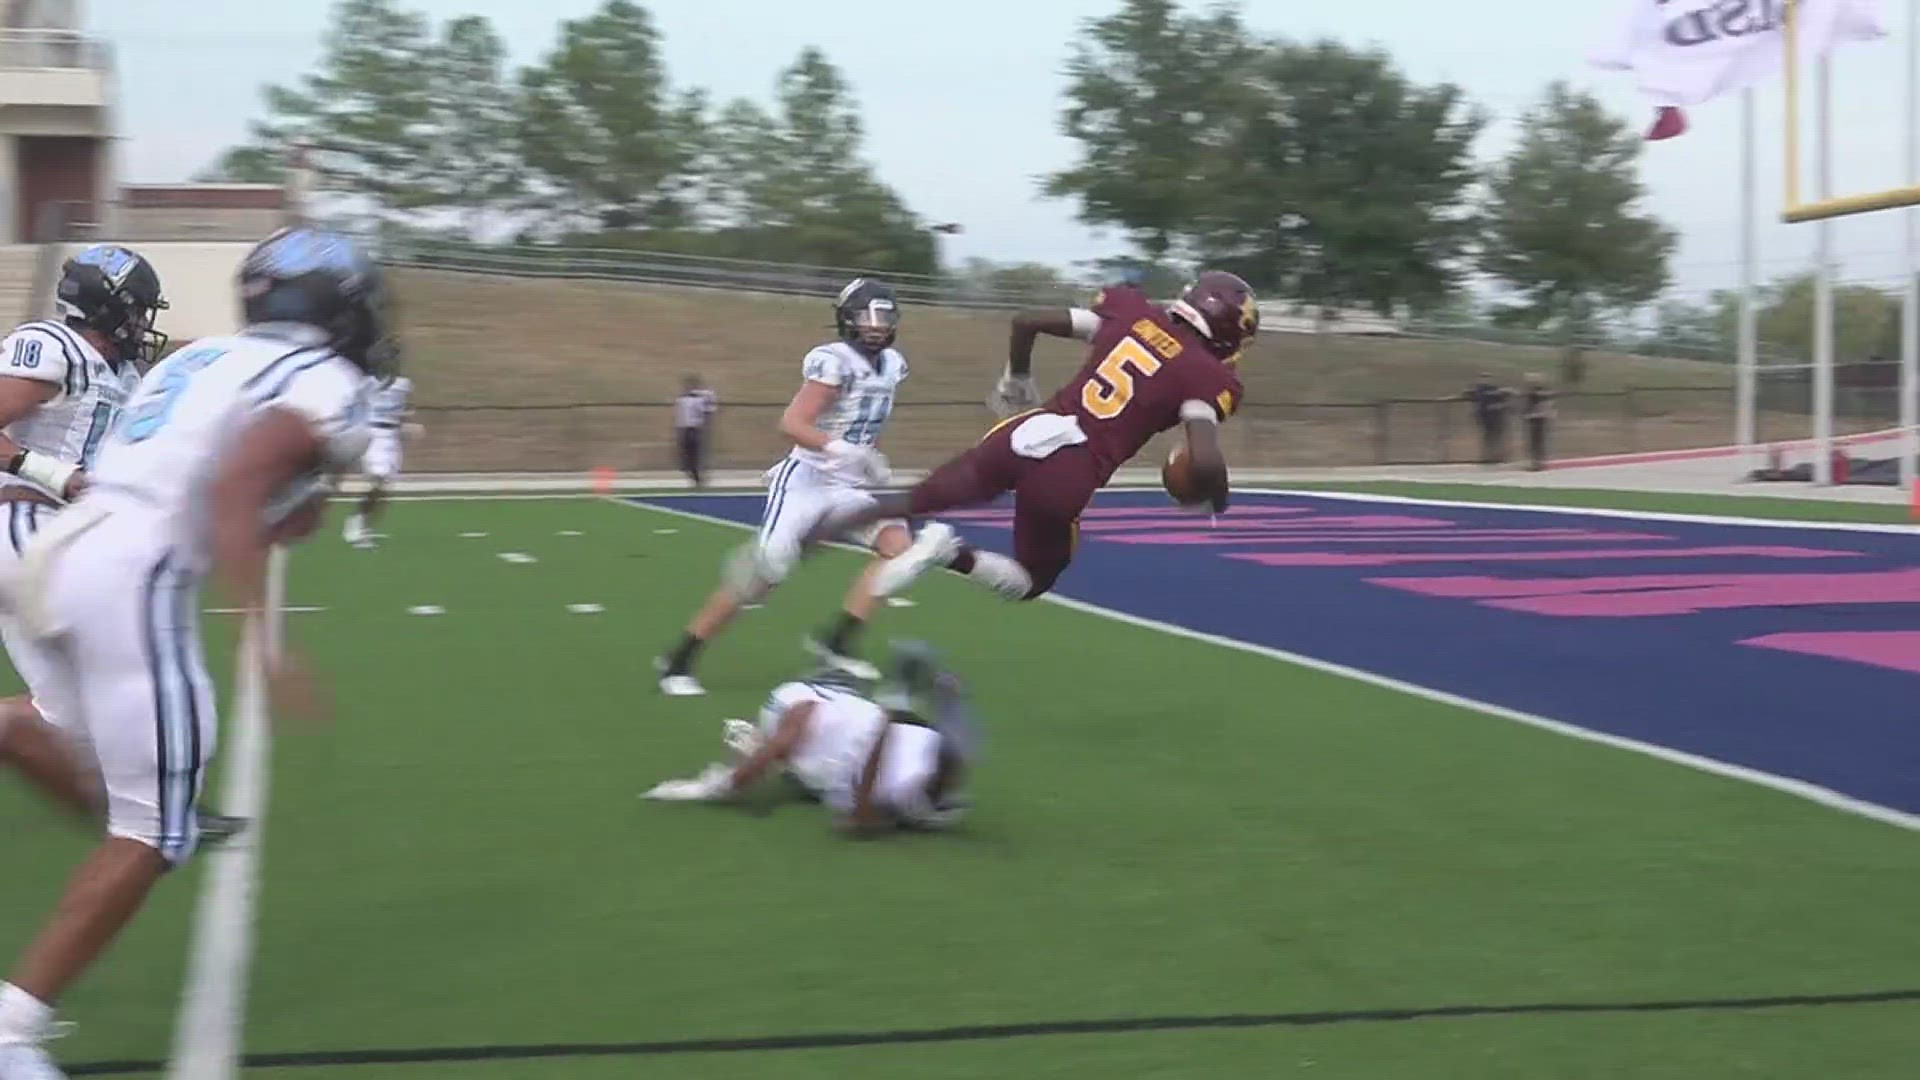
x=210 y=1028
x=1799 y=789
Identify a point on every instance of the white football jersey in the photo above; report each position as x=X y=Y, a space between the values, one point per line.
x=867 y=387
x=842 y=731
x=71 y=425
x=167 y=445
x=390 y=401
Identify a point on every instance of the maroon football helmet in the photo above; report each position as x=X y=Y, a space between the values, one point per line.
x=1221 y=309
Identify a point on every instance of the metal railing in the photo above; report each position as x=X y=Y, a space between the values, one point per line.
x=636 y=435
x=53 y=50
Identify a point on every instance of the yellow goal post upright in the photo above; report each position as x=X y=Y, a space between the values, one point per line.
x=1825 y=207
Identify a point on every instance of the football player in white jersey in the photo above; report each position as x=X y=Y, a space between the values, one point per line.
x=226 y=448
x=883 y=761
x=62 y=382
x=834 y=421
x=391 y=397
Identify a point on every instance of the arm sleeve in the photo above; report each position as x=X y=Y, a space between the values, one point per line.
x=32 y=353
x=823 y=365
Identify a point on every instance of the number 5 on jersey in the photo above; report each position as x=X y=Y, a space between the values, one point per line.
x=1112 y=385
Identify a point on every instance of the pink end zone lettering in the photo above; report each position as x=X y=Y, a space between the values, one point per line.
x=1898 y=650
x=1461 y=536
x=1401 y=558
x=1639 y=596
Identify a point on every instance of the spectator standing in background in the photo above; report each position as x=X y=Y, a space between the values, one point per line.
x=693 y=413
x=1490 y=404
x=1537 y=406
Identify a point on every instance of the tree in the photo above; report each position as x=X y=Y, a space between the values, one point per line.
x=600 y=129
x=1150 y=95
x=1033 y=282
x=792 y=184
x=403 y=120
x=1343 y=181
x=1563 y=230
x=246 y=164
x=365 y=112
x=472 y=162
x=1861 y=314
x=1706 y=329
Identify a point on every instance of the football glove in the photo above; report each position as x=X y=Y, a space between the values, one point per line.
x=1013 y=394
x=712 y=785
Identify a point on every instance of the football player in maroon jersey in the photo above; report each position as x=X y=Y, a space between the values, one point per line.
x=1149 y=368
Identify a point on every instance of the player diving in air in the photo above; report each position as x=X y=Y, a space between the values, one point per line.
x=834 y=421
x=1148 y=369
x=882 y=761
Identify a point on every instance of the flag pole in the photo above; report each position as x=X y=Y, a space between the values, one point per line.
x=1823 y=279
x=1910 y=309
x=1747 y=360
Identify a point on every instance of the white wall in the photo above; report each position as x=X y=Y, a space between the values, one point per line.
x=198 y=280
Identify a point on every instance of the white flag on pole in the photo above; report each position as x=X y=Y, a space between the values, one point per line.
x=1686 y=52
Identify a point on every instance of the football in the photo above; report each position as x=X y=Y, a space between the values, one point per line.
x=1177 y=477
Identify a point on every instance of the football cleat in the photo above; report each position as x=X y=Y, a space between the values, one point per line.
x=851 y=666
x=936 y=545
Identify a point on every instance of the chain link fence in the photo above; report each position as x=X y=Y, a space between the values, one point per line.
x=571 y=437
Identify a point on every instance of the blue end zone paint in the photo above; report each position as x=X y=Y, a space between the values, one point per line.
x=1680 y=681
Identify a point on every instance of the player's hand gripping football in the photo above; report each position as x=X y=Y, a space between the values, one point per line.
x=1013 y=394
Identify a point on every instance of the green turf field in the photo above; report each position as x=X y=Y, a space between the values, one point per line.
x=1166 y=829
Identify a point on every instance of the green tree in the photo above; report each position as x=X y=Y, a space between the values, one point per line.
x=1564 y=233
x=1704 y=329
x=1861 y=314
x=1343 y=181
x=793 y=185
x=250 y=163
x=1151 y=93
x=1034 y=282
x=365 y=112
x=601 y=130
x=472 y=160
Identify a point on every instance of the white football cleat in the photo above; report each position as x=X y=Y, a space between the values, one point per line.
x=936 y=544
x=681 y=686
x=27 y=1061
x=851 y=666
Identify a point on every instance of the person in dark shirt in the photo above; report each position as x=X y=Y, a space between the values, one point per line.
x=692 y=415
x=1490 y=401
x=1536 y=406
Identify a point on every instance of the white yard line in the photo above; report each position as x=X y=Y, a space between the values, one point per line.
x=1799 y=789
x=210 y=1030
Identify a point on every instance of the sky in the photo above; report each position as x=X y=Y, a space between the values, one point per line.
x=961 y=101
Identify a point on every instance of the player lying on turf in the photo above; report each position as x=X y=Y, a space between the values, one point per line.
x=895 y=759
x=1149 y=369
x=845 y=397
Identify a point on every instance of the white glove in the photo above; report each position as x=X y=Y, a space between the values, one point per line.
x=741 y=737
x=712 y=785
x=1013 y=394
x=848 y=460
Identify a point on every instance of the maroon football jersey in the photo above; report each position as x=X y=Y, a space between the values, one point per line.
x=1141 y=367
